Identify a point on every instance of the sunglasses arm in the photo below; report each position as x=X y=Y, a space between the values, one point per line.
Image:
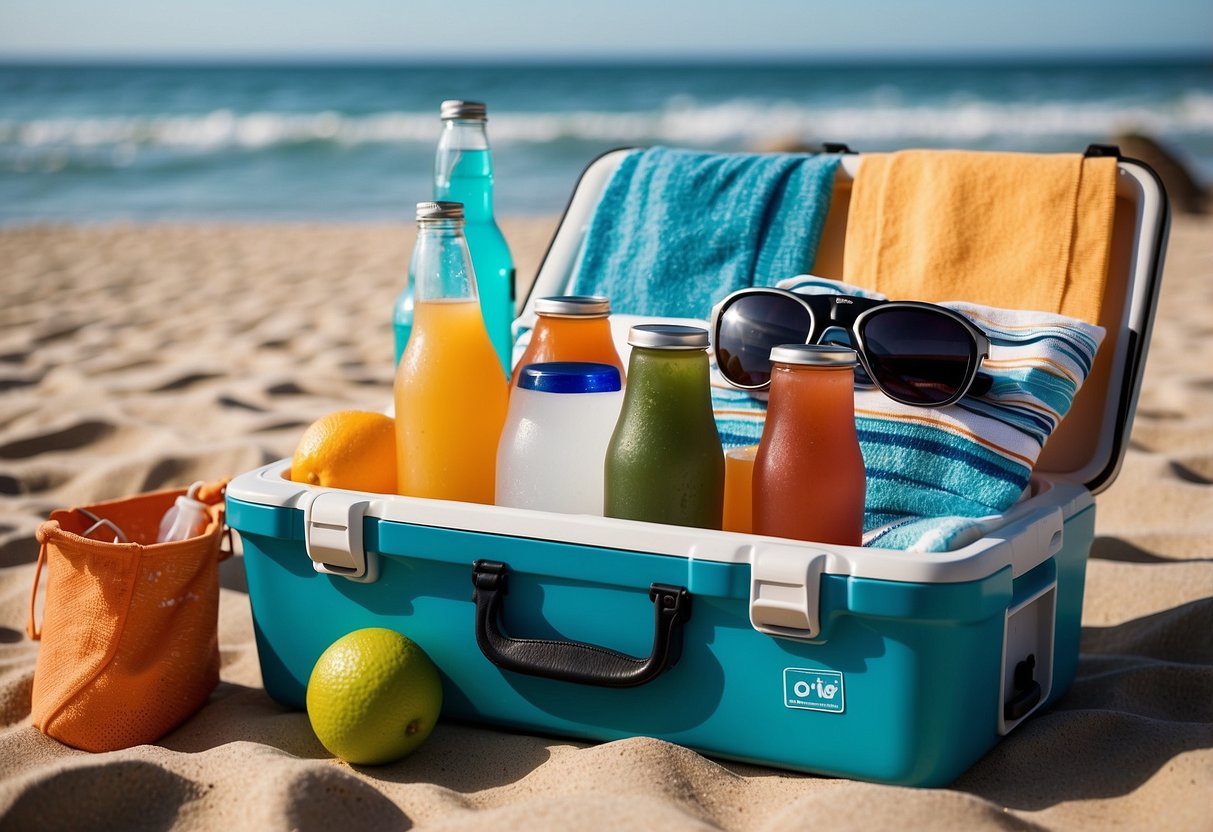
x=982 y=382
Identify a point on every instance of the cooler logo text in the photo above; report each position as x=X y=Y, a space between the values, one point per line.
x=813 y=690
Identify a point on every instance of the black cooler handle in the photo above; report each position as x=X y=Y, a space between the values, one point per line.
x=573 y=661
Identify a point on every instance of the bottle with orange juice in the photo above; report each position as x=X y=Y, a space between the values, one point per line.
x=570 y=328
x=451 y=391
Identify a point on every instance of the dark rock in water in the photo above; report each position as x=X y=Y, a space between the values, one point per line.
x=785 y=144
x=1187 y=194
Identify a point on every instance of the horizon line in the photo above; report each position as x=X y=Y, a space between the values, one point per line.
x=1100 y=56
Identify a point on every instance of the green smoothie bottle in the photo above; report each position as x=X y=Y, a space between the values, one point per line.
x=664 y=463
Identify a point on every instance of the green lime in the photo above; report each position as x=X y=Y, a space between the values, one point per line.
x=373 y=696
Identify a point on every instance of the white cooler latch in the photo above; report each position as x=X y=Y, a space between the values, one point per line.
x=1027 y=655
x=332 y=533
x=785 y=590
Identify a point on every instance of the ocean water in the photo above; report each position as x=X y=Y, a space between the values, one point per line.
x=355 y=143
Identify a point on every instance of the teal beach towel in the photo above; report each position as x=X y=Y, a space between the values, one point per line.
x=677 y=230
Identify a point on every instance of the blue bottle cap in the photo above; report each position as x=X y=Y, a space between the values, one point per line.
x=570 y=377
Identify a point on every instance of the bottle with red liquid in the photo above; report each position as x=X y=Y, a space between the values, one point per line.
x=809 y=479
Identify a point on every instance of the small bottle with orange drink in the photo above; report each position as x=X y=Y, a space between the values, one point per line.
x=570 y=328
x=739 y=489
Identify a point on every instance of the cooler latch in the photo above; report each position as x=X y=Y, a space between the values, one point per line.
x=785 y=590
x=1027 y=655
x=332 y=533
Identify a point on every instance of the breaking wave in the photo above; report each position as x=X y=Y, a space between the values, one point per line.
x=740 y=122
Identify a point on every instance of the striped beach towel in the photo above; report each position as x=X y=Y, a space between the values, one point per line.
x=938 y=478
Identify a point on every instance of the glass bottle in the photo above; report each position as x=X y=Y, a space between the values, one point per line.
x=451 y=393
x=570 y=328
x=809 y=479
x=665 y=463
x=739 y=489
x=463 y=172
x=402 y=318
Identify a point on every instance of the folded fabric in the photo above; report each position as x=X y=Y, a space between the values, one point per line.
x=937 y=474
x=675 y=230
x=931 y=534
x=1011 y=230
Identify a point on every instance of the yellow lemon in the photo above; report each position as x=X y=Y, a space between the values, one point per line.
x=373 y=696
x=354 y=449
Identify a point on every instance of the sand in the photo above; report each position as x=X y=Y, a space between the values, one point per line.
x=138 y=358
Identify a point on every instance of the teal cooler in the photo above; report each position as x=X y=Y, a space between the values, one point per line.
x=858 y=662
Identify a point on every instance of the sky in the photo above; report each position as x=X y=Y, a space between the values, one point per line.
x=539 y=29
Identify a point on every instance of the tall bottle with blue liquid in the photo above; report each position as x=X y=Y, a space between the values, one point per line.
x=463 y=172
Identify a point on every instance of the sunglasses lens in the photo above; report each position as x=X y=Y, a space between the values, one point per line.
x=916 y=355
x=749 y=328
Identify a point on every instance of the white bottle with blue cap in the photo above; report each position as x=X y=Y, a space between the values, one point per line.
x=554 y=442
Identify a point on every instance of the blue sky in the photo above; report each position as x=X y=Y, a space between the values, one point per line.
x=464 y=29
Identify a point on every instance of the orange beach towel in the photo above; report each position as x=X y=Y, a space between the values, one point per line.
x=1011 y=230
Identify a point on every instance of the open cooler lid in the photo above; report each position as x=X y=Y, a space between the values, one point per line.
x=1089 y=444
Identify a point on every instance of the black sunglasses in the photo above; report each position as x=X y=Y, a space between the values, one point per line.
x=915 y=353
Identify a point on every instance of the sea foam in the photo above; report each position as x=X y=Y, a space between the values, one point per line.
x=739 y=121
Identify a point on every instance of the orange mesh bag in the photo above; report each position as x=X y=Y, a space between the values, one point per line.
x=129 y=633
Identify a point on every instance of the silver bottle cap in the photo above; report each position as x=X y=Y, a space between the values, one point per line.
x=439 y=211
x=574 y=306
x=457 y=108
x=814 y=355
x=668 y=337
